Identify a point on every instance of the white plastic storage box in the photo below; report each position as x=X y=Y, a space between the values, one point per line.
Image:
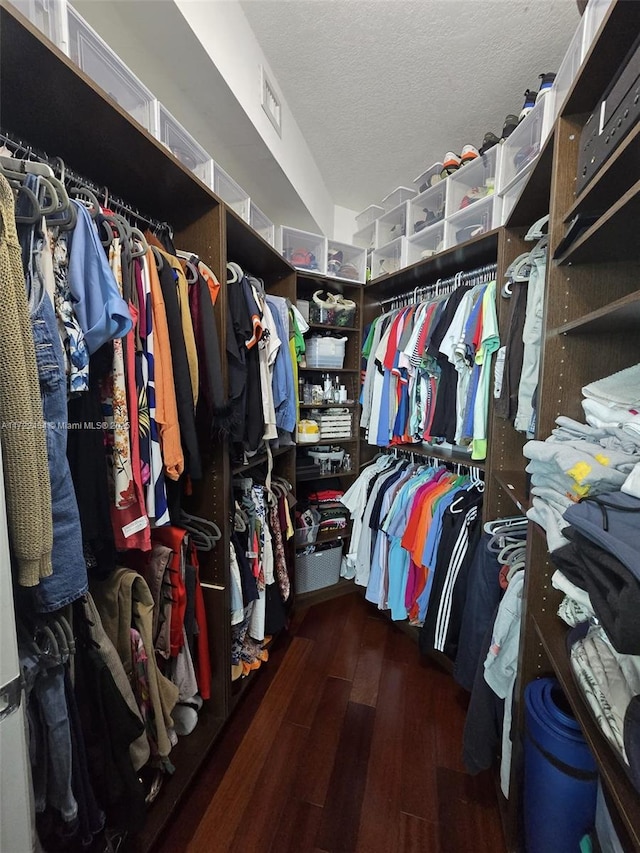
x=369 y=215
x=474 y=182
x=392 y=224
x=569 y=67
x=523 y=146
x=303 y=250
x=104 y=67
x=510 y=196
x=425 y=243
x=325 y=310
x=183 y=146
x=230 y=192
x=50 y=17
x=427 y=208
x=429 y=178
x=335 y=424
x=318 y=569
x=389 y=258
x=396 y=197
x=326 y=353
x=346 y=262
x=261 y=224
x=365 y=237
x=469 y=223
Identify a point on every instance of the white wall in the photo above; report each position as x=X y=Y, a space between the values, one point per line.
x=234 y=49
x=344 y=223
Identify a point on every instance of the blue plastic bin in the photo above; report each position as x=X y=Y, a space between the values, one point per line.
x=560 y=778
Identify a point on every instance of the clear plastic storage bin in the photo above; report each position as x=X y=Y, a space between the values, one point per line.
x=474 y=182
x=325 y=352
x=103 y=66
x=303 y=250
x=318 y=569
x=593 y=16
x=183 y=146
x=369 y=215
x=49 y=16
x=425 y=243
x=389 y=258
x=523 y=146
x=261 y=224
x=396 y=197
x=428 y=178
x=365 y=237
x=392 y=225
x=469 y=223
x=569 y=66
x=230 y=192
x=346 y=262
x=510 y=196
x=427 y=208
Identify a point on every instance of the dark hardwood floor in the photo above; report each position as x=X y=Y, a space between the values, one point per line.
x=346 y=742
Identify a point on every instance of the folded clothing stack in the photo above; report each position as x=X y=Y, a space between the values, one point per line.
x=332 y=514
x=582 y=460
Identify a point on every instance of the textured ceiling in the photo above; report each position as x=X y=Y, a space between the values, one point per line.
x=383 y=88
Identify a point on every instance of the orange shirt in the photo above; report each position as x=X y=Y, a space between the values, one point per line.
x=166 y=408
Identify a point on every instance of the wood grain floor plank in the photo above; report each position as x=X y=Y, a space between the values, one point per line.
x=419 y=836
x=341 y=813
x=380 y=816
x=418 y=793
x=297 y=830
x=400 y=647
x=348 y=644
x=326 y=618
x=450 y=714
x=262 y=815
x=366 y=678
x=236 y=788
x=316 y=765
x=468 y=812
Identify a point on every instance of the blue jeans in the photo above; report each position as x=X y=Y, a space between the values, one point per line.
x=69 y=579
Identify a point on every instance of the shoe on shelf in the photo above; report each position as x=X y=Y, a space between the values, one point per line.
x=450 y=164
x=529 y=103
x=546 y=83
x=510 y=124
x=490 y=139
x=468 y=153
x=431 y=177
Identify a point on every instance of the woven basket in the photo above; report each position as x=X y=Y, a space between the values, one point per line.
x=317 y=570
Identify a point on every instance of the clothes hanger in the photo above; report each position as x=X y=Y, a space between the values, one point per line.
x=84 y=194
x=36 y=215
x=158 y=258
x=138 y=237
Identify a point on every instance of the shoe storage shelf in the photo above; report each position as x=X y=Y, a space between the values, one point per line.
x=427 y=209
x=425 y=243
x=396 y=197
x=389 y=258
x=522 y=147
x=261 y=224
x=346 y=262
x=470 y=222
x=369 y=215
x=304 y=251
x=391 y=225
x=473 y=183
x=231 y=193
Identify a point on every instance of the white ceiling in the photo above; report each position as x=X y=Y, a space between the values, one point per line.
x=383 y=88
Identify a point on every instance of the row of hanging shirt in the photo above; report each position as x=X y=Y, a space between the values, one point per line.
x=414 y=531
x=428 y=366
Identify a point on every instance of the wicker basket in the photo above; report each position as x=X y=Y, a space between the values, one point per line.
x=317 y=570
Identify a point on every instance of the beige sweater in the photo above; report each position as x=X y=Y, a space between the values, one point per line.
x=22 y=435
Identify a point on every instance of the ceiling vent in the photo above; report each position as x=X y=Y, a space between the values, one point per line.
x=271 y=102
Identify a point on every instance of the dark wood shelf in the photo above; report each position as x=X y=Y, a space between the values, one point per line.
x=248 y=249
x=443 y=453
x=614 y=237
x=618 y=32
x=312 y=279
x=310 y=478
x=621 y=315
x=261 y=459
x=328 y=370
x=613 y=179
x=106 y=146
x=187 y=756
x=351 y=405
x=332 y=535
x=473 y=253
x=533 y=201
x=323 y=327
x=513 y=483
x=623 y=794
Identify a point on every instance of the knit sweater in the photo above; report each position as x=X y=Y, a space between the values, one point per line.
x=22 y=436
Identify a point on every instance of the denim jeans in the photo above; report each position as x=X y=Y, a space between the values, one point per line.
x=69 y=579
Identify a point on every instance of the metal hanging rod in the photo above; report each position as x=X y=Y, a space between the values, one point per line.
x=70 y=176
x=442 y=287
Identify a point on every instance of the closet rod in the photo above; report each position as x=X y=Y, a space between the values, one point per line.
x=417 y=454
x=442 y=285
x=72 y=177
